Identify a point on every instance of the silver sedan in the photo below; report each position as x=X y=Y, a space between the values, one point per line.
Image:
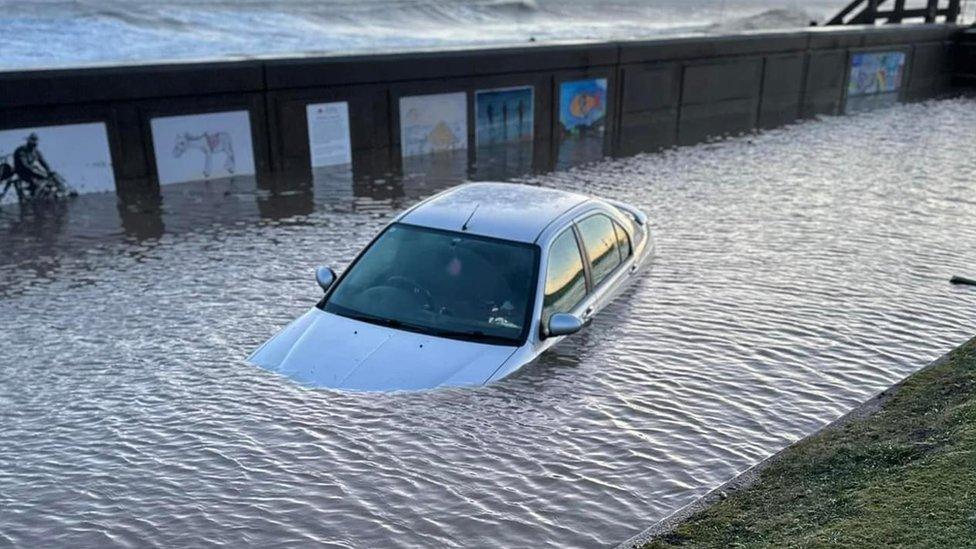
x=464 y=288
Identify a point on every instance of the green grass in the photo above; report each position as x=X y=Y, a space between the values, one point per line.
x=903 y=477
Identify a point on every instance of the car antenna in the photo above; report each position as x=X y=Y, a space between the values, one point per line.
x=468 y=220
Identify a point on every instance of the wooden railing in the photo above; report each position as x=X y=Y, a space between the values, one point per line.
x=868 y=12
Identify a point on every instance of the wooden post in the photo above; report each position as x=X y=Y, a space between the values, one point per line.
x=953 y=15
x=898 y=13
x=839 y=18
x=871 y=12
x=931 y=10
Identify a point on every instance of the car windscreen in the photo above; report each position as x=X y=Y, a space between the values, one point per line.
x=441 y=283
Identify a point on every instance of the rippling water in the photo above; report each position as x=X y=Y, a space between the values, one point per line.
x=798 y=272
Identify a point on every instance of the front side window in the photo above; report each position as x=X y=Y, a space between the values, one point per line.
x=600 y=241
x=565 y=281
x=441 y=283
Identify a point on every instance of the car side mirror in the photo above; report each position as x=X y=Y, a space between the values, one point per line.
x=325 y=277
x=561 y=324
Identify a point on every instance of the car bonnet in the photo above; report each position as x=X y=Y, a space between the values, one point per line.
x=326 y=350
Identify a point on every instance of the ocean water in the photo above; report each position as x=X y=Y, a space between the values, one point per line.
x=798 y=272
x=41 y=33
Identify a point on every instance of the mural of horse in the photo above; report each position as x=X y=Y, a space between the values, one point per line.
x=210 y=143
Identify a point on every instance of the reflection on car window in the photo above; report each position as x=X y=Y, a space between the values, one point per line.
x=442 y=283
x=623 y=242
x=565 y=282
x=600 y=242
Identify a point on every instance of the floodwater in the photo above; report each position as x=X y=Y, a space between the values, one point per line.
x=798 y=272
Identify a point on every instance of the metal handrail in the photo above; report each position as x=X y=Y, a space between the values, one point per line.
x=869 y=13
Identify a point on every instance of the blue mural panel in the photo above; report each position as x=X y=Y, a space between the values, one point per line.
x=582 y=121
x=504 y=115
x=875 y=79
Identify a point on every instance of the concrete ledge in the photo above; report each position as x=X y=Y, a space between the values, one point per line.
x=698 y=46
x=83 y=85
x=366 y=69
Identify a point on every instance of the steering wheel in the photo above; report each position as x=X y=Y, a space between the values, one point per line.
x=411 y=285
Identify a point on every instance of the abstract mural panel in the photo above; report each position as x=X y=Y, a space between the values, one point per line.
x=582 y=121
x=875 y=80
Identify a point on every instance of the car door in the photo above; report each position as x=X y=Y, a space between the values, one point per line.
x=567 y=278
x=609 y=256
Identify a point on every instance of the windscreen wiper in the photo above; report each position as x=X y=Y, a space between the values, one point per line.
x=392 y=323
x=475 y=335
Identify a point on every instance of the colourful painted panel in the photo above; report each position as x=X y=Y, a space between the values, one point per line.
x=433 y=123
x=582 y=121
x=582 y=106
x=504 y=116
x=876 y=72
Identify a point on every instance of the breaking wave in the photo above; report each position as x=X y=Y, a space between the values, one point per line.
x=60 y=32
x=779 y=18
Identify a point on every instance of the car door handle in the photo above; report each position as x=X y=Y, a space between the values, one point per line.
x=588 y=316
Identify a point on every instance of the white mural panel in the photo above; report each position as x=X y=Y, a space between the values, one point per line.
x=202 y=146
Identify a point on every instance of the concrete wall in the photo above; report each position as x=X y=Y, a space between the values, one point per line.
x=964 y=59
x=667 y=92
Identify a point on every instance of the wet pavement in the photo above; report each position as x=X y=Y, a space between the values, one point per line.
x=798 y=272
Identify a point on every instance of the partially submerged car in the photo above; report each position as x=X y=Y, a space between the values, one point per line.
x=463 y=288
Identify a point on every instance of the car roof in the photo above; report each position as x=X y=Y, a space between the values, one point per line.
x=510 y=211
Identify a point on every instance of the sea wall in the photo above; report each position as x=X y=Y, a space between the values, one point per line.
x=965 y=59
x=628 y=97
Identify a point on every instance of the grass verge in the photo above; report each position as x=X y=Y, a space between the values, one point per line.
x=904 y=476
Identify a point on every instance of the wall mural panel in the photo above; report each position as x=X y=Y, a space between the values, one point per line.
x=875 y=80
x=433 y=123
x=202 y=146
x=582 y=121
x=55 y=160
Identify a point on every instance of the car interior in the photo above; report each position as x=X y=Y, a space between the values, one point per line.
x=444 y=281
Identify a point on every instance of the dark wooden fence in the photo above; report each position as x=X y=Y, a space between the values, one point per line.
x=870 y=12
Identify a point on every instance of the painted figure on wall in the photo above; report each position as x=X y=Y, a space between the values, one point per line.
x=30 y=175
x=210 y=144
x=504 y=115
x=223 y=139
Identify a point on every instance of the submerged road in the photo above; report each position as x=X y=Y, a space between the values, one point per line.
x=798 y=271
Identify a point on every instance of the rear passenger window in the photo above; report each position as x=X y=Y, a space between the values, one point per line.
x=623 y=242
x=565 y=281
x=600 y=241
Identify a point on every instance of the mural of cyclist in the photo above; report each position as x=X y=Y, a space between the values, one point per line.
x=29 y=164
